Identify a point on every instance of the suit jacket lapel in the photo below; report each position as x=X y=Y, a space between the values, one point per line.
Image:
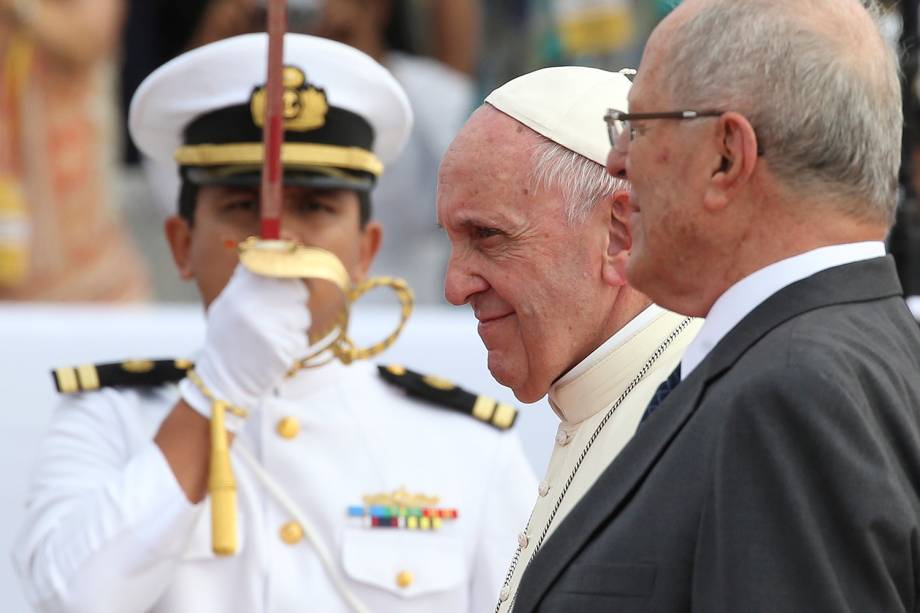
x=858 y=282
x=607 y=495
x=866 y=280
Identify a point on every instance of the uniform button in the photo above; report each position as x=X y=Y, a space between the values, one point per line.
x=562 y=438
x=404 y=579
x=522 y=540
x=543 y=490
x=291 y=533
x=504 y=594
x=288 y=427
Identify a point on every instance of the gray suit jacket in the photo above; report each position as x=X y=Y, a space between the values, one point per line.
x=782 y=475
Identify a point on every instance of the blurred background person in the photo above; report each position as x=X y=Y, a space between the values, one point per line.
x=607 y=34
x=61 y=238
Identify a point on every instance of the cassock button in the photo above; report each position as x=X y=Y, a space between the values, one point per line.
x=288 y=428
x=562 y=438
x=505 y=594
x=523 y=540
x=291 y=533
x=543 y=490
x=404 y=579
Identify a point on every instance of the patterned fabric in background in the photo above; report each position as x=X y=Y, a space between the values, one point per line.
x=60 y=237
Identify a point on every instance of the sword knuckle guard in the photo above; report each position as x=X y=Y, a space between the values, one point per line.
x=289 y=260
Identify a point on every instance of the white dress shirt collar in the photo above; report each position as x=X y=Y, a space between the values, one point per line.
x=744 y=296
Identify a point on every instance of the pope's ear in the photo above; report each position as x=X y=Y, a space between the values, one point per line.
x=621 y=208
x=619 y=242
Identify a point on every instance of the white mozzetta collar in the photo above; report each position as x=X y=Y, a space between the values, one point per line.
x=598 y=379
x=744 y=296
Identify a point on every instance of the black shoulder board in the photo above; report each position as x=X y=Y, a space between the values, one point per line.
x=446 y=394
x=132 y=373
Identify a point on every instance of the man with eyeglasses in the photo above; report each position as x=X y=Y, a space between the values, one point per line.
x=539 y=250
x=782 y=471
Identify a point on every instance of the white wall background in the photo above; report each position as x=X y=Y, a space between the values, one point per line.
x=36 y=338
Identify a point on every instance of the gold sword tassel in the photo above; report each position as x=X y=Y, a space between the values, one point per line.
x=221 y=485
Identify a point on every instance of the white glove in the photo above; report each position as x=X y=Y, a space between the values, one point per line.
x=257 y=330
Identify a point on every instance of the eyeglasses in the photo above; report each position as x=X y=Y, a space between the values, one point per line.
x=619 y=122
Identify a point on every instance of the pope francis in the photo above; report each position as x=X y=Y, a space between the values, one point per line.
x=540 y=240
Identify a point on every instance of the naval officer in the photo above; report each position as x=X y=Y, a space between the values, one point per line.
x=351 y=493
x=540 y=243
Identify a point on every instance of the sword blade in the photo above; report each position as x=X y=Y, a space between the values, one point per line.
x=273 y=129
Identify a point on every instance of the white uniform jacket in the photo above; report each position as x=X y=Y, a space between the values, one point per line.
x=109 y=529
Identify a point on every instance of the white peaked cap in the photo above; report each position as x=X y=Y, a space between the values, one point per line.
x=225 y=74
x=566 y=104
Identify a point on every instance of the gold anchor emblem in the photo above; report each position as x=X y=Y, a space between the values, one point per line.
x=305 y=105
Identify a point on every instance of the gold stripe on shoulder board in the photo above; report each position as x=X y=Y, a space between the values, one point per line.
x=88 y=377
x=484 y=408
x=67 y=380
x=137 y=366
x=396 y=369
x=490 y=411
x=504 y=416
x=439 y=383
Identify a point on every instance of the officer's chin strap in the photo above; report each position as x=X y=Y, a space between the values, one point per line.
x=275 y=489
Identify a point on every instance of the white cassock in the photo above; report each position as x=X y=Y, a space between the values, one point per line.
x=582 y=399
x=109 y=529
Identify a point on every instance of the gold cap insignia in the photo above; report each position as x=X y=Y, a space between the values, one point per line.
x=305 y=105
x=400 y=498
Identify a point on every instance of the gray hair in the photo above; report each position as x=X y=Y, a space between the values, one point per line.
x=829 y=120
x=582 y=181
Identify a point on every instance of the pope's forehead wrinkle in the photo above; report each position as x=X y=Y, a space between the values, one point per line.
x=477 y=216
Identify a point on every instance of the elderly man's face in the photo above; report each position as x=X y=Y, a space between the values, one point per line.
x=668 y=166
x=532 y=279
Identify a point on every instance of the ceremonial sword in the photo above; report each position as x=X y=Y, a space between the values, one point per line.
x=273 y=126
x=221 y=482
x=269 y=255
